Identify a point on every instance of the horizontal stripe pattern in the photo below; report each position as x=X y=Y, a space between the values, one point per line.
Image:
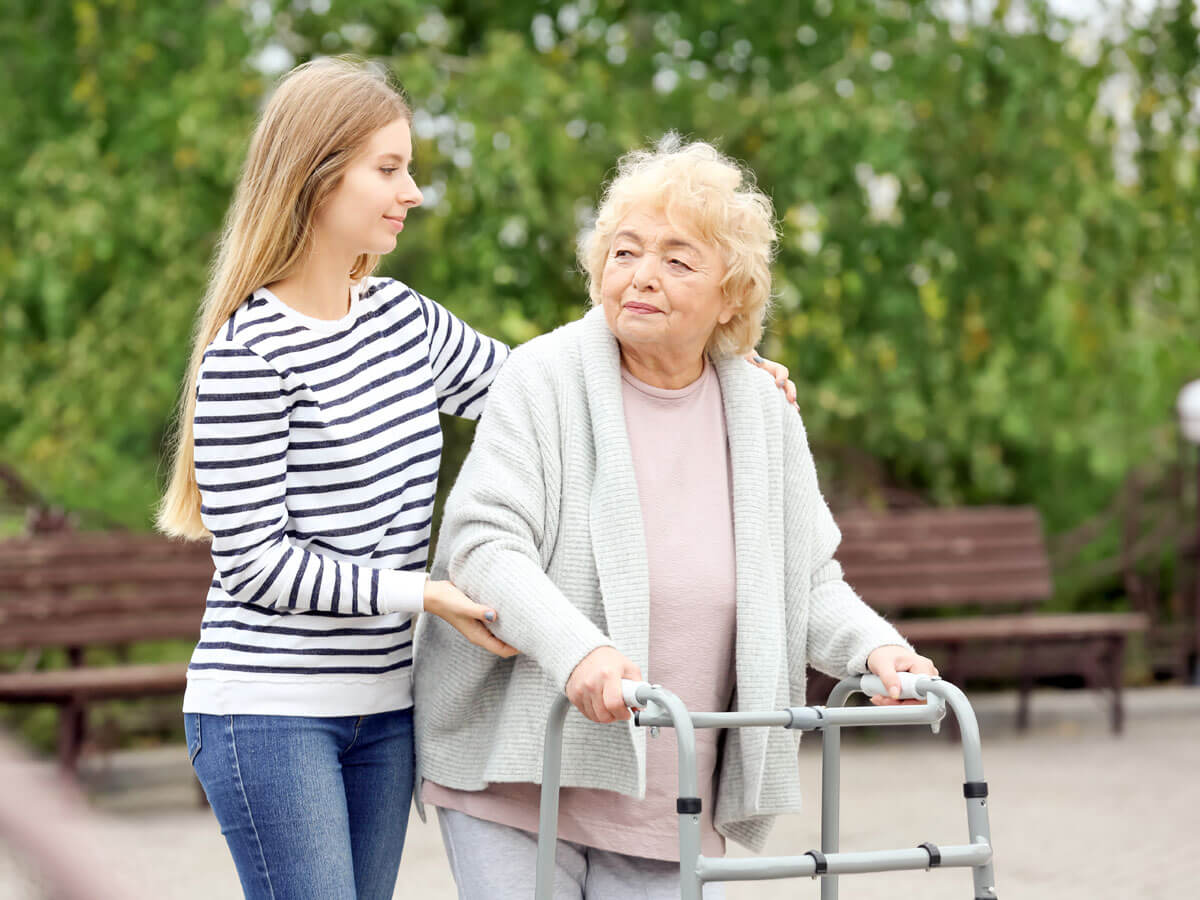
x=317 y=446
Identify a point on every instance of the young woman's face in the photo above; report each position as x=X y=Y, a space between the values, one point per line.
x=366 y=211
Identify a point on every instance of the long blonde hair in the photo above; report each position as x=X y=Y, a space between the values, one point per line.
x=320 y=116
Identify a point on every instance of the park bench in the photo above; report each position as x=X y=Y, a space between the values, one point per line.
x=81 y=590
x=968 y=587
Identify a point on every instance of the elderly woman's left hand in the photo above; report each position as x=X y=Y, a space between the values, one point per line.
x=887 y=661
x=779 y=372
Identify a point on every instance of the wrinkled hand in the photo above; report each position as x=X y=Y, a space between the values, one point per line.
x=886 y=661
x=446 y=601
x=595 y=685
x=779 y=372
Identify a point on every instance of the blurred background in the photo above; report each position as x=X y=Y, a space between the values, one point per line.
x=987 y=284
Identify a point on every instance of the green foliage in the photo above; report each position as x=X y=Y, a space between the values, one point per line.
x=986 y=278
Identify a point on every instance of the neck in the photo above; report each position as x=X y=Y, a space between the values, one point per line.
x=662 y=369
x=320 y=287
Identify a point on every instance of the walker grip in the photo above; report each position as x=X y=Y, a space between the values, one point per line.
x=872 y=686
x=629 y=692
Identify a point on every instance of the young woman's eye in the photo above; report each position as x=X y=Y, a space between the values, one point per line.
x=387 y=170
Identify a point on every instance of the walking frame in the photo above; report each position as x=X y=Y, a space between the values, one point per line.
x=661 y=708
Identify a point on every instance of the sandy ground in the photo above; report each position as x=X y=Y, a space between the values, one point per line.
x=1075 y=812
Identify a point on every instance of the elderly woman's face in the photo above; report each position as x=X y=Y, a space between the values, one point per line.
x=661 y=286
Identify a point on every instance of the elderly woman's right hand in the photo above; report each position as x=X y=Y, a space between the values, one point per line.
x=595 y=685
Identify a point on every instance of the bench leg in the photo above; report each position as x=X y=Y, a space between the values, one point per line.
x=72 y=725
x=1024 y=692
x=1115 y=664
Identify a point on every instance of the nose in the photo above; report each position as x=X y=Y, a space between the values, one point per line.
x=645 y=276
x=409 y=194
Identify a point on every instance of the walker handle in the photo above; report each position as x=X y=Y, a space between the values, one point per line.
x=629 y=692
x=872 y=686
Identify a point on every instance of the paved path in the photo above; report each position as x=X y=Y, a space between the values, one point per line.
x=1075 y=812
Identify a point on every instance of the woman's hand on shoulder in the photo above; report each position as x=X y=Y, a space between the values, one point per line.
x=890 y=659
x=595 y=684
x=779 y=372
x=446 y=601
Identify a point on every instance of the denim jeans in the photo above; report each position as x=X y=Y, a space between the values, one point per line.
x=310 y=807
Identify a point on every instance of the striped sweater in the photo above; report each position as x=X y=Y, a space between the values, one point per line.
x=317 y=445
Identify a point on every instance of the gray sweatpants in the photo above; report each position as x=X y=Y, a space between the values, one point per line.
x=496 y=862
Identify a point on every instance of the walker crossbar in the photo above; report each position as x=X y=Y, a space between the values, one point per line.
x=661 y=708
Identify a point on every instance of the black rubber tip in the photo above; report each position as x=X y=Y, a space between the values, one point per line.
x=973 y=790
x=687 y=806
x=819 y=858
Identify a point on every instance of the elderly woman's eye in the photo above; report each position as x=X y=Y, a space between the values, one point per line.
x=621 y=253
x=681 y=263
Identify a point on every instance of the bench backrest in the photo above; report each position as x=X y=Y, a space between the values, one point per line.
x=904 y=560
x=79 y=588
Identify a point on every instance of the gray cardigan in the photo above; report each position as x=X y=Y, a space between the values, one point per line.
x=544 y=525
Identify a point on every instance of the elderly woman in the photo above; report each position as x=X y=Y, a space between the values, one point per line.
x=637 y=502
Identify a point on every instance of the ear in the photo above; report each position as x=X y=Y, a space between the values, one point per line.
x=729 y=309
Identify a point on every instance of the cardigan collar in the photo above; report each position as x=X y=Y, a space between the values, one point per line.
x=616 y=523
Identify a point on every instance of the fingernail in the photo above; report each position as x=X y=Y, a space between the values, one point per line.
x=490 y=616
x=895 y=692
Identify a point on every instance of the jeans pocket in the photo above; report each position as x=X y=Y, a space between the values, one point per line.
x=191 y=730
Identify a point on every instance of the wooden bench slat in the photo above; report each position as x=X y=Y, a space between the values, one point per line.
x=106 y=630
x=95 y=683
x=948 y=571
x=941 y=548
x=1034 y=626
x=45 y=607
x=923 y=596
x=984 y=521
x=114 y=572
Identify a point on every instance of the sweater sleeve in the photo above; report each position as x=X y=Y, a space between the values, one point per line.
x=494 y=531
x=241 y=441
x=464 y=362
x=842 y=630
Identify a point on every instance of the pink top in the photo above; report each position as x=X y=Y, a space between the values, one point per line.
x=681 y=461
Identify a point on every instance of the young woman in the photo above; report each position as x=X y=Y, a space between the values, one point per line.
x=308 y=448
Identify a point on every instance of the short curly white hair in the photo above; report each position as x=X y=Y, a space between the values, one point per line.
x=710 y=195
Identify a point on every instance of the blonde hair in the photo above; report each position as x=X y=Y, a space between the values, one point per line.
x=320 y=116
x=709 y=194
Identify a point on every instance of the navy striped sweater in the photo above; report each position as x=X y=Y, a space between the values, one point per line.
x=317 y=452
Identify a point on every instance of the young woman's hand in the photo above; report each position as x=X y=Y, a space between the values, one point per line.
x=595 y=685
x=446 y=601
x=779 y=372
x=887 y=661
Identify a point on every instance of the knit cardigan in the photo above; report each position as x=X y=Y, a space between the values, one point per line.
x=544 y=525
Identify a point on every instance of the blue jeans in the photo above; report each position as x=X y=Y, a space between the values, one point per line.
x=310 y=807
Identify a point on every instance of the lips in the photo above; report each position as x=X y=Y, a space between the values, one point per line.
x=395 y=222
x=641 y=309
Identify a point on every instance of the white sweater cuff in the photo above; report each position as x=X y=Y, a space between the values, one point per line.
x=401 y=592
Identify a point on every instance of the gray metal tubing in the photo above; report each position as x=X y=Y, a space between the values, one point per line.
x=923 y=714
x=690 y=885
x=694 y=869
x=977 y=818
x=977 y=814
x=831 y=780
x=779 y=718
x=807 y=718
x=548 y=820
x=689 y=823
x=763 y=868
